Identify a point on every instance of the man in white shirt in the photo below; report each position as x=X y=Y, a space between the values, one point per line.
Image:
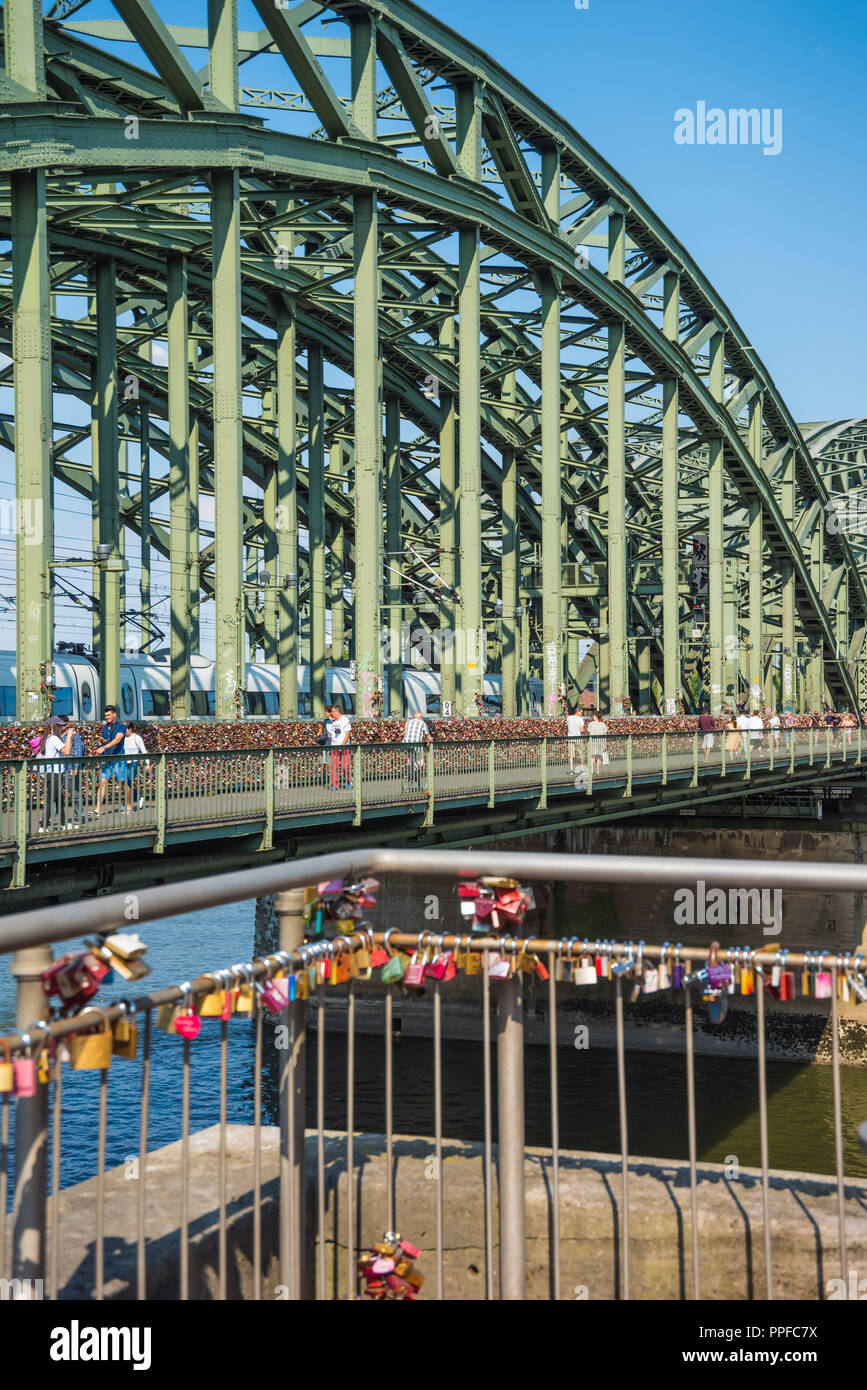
x=597 y=729
x=415 y=734
x=743 y=723
x=339 y=731
x=757 y=730
x=574 y=731
x=134 y=749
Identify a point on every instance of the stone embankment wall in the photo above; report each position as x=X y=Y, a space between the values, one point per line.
x=803 y=1220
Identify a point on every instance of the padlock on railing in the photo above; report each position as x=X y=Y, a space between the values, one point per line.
x=91 y=1051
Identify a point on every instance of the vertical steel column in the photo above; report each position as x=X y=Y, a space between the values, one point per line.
x=31 y=352
x=510 y=1138
x=468 y=102
x=227 y=383
x=288 y=907
x=287 y=515
x=670 y=549
x=366 y=371
x=106 y=485
x=145 y=519
x=177 y=319
x=316 y=524
x=552 y=555
x=193 y=479
x=816 y=666
x=757 y=652
x=393 y=576
x=618 y=668
x=269 y=545
x=338 y=617
x=31 y=1129
x=448 y=514
x=509 y=562
x=720 y=654
x=787 y=580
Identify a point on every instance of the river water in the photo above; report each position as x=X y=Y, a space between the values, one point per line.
x=800 y=1099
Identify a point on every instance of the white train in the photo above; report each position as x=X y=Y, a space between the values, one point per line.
x=145 y=687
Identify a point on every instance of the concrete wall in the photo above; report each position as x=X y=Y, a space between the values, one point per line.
x=803 y=1214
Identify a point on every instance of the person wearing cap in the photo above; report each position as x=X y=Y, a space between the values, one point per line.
x=55 y=744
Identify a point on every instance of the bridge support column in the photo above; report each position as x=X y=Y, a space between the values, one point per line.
x=228 y=443
x=448 y=514
x=671 y=681
x=105 y=461
x=756 y=537
x=31 y=351
x=287 y=514
x=618 y=662
x=509 y=566
x=469 y=152
x=722 y=644
x=552 y=555
x=145 y=520
x=179 y=484
x=394 y=557
x=269 y=546
x=228 y=379
x=366 y=368
x=338 y=542
x=31 y=1126
x=510 y=1135
x=193 y=481
x=293 y=1193
x=789 y=692
x=816 y=666
x=316 y=524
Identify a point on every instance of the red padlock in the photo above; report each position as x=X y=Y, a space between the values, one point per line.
x=188 y=1025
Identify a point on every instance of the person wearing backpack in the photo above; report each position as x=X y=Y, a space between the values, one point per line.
x=72 y=775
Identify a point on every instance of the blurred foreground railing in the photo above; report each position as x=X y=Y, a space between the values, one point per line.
x=296 y=979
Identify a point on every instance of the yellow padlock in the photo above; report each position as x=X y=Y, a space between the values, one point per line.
x=244 y=999
x=166 y=1015
x=91 y=1051
x=6 y=1072
x=43 y=1065
x=124 y=1038
x=211 y=1005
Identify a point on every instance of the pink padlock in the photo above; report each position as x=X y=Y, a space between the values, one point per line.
x=382 y=1265
x=188 y=1025
x=24 y=1077
x=411 y=1251
x=275 y=995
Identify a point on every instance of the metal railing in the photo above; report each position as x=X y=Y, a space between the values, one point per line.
x=35 y=1256
x=121 y=797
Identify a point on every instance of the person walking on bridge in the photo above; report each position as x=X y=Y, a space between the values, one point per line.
x=339 y=732
x=707 y=726
x=574 y=733
x=112 y=735
x=55 y=745
x=415 y=735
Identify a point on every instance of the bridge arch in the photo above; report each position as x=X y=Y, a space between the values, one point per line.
x=429 y=355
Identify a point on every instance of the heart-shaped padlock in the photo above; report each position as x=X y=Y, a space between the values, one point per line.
x=188 y=1025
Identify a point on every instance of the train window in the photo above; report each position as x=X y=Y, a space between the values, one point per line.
x=200 y=702
x=304 y=704
x=212 y=703
x=7 y=700
x=155 y=702
x=62 y=700
x=272 y=702
x=86 y=699
x=127 y=699
x=433 y=704
x=256 y=702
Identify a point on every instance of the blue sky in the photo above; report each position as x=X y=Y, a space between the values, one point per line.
x=780 y=237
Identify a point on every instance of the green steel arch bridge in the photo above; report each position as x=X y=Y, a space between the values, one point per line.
x=344 y=322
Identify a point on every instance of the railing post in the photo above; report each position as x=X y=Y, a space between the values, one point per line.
x=288 y=907
x=31 y=1135
x=811 y=741
x=695 y=759
x=510 y=1138
x=628 y=764
x=491 y=787
x=859 y=736
x=160 y=845
x=749 y=765
x=19 y=875
x=268 y=832
x=543 y=775
x=828 y=745
x=664 y=759
x=356 y=782
x=771 y=749
x=429 y=813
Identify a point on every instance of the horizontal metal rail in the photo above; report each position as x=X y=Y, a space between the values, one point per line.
x=71 y=801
